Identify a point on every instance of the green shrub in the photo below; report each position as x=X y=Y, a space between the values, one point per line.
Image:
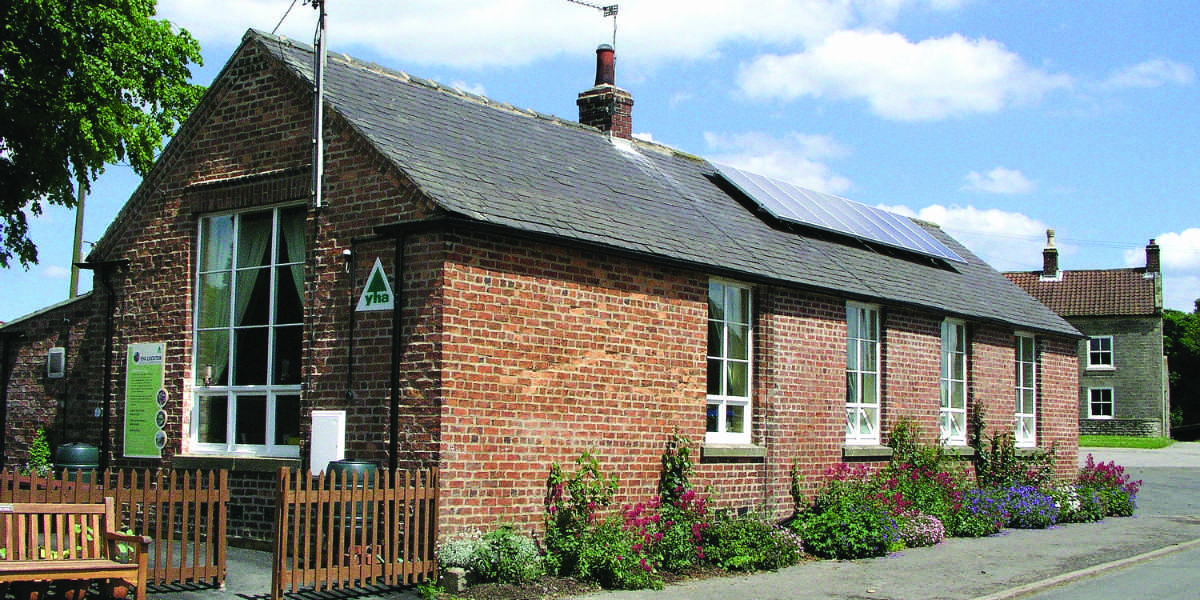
x=750 y=544
x=457 y=551
x=679 y=544
x=1077 y=505
x=918 y=530
x=573 y=504
x=505 y=556
x=613 y=556
x=849 y=531
x=1117 y=491
x=39 y=455
x=906 y=487
x=999 y=466
x=907 y=448
x=845 y=484
x=980 y=513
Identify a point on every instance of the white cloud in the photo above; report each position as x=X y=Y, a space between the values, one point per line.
x=795 y=157
x=55 y=272
x=1008 y=241
x=901 y=80
x=1152 y=73
x=486 y=33
x=1180 y=255
x=999 y=180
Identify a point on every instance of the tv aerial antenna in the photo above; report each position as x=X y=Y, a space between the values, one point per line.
x=607 y=11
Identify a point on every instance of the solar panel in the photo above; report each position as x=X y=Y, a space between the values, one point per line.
x=795 y=204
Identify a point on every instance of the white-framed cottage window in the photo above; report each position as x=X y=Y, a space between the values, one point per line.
x=248 y=336
x=954 y=382
x=1026 y=378
x=729 y=370
x=862 y=374
x=1100 y=403
x=1100 y=352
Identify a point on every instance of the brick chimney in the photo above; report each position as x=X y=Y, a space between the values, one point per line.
x=605 y=106
x=1050 y=257
x=1153 y=261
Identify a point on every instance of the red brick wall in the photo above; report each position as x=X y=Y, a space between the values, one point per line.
x=1058 y=401
x=64 y=408
x=912 y=357
x=549 y=352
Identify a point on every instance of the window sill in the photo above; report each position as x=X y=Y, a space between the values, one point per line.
x=266 y=464
x=961 y=451
x=866 y=453
x=1091 y=369
x=711 y=453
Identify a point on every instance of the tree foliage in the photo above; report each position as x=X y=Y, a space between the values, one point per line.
x=1181 y=340
x=82 y=83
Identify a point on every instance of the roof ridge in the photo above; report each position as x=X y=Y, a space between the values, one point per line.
x=431 y=84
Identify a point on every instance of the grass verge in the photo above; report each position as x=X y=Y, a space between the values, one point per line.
x=1123 y=441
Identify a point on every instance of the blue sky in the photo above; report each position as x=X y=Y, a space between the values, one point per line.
x=995 y=119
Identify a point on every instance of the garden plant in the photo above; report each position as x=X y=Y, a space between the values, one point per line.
x=923 y=495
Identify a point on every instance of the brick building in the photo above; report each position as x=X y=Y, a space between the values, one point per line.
x=1123 y=378
x=558 y=287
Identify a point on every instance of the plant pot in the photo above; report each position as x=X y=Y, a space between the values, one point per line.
x=117 y=589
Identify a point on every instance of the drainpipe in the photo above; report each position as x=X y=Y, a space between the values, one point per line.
x=397 y=352
x=5 y=376
x=105 y=270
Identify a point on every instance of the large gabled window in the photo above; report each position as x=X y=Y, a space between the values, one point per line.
x=1026 y=377
x=862 y=374
x=954 y=382
x=729 y=369
x=248 y=336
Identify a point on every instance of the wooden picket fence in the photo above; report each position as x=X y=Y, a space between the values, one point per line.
x=184 y=512
x=350 y=530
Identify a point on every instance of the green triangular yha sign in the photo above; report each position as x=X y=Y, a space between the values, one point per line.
x=378 y=293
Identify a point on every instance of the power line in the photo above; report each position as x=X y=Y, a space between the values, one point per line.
x=607 y=11
x=285 y=15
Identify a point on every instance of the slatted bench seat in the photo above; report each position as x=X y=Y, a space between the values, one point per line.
x=43 y=541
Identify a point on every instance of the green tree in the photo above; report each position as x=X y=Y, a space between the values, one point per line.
x=1181 y=341
x=83 y=83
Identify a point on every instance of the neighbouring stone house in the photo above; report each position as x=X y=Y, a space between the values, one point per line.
x=558 y=288
x=1123 y=378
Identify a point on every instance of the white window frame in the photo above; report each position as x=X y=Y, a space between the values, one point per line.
x=1111 y=402
x=726 y=360
x=1101 y=352
x=953 y=419
x=863 y=375
x=1026 y=399
x=203 y=390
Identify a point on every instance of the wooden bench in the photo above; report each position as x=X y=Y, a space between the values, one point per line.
x=61 y=542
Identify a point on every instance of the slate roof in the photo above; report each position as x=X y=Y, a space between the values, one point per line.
x=1094 y=293
x=504 y=166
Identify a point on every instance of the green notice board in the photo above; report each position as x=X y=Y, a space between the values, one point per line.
x=145 y=398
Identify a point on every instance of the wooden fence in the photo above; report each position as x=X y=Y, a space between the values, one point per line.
x=184 y=512
x=349 y=530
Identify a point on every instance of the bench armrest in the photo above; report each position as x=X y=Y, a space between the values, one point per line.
x=128 y=538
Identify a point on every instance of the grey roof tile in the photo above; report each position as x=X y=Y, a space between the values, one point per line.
x=515 y=168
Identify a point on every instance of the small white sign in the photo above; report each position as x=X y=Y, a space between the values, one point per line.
x=377 y=295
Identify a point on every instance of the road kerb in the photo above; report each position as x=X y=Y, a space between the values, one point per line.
x=1037 y=586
